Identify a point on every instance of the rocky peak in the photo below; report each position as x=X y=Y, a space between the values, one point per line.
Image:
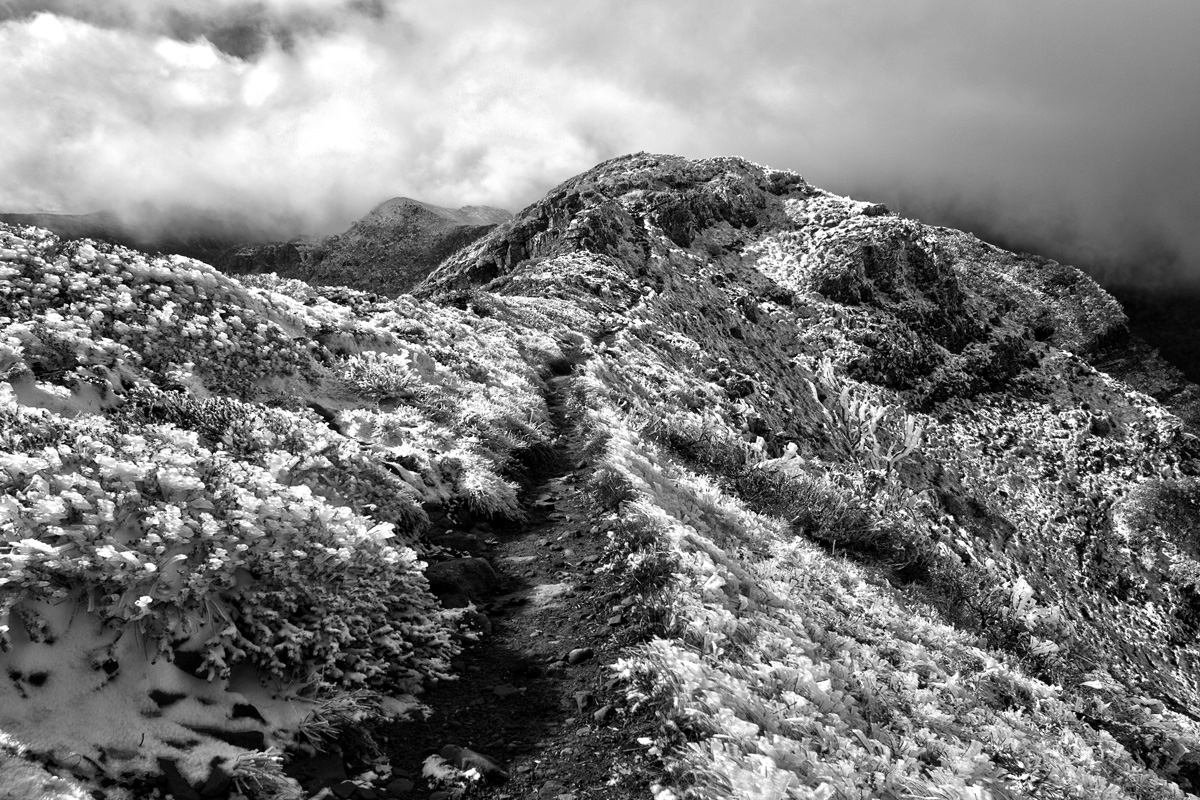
x=936 y=312
x=387 y=251
x=399 y=207
x=606 y=211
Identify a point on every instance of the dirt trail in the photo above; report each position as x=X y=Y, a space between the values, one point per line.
x=555 y=727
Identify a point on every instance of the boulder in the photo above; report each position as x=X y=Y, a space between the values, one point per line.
x=460 y=581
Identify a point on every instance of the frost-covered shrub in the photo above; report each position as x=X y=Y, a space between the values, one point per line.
x=815 y=506
x=859 y=425
x=90 y=305
x=233 y=478
x=380 y=377
x=157 y=531
x=482 y=490
x=642 y=559
x=294 y=448
x=704 y=440
x=609 y=488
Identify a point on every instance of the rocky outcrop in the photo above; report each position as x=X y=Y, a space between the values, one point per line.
x=604 y=211
x=283 y=258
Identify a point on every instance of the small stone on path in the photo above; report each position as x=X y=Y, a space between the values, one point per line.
x=580 y=655
x=458 y=581
x=400 y=787
x=551 y=789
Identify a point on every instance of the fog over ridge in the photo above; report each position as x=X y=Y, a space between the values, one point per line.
x=1066 y=127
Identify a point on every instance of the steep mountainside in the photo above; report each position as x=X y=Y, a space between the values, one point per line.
x=874 y=520
x=388 y=251
x=1166 y=315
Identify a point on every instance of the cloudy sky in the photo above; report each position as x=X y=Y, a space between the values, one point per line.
x=1069 y=127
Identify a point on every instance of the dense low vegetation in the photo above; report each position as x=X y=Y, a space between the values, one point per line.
x=234 y=478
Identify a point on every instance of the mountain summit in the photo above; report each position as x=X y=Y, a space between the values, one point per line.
x=739 y=487
x=942 y=304
x=406 y=207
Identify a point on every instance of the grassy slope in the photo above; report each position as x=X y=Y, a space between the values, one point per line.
x=892 y=536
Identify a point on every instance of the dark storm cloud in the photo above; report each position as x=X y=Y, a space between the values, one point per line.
x=1067 y=127
x=1061 y=126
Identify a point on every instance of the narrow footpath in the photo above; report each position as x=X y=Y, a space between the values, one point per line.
x=534 y=710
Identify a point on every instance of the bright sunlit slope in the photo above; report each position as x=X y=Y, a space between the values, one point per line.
x=892 y=532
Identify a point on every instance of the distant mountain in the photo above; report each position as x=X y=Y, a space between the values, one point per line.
x=185 y=232
x=100 y=225
x=388 y=251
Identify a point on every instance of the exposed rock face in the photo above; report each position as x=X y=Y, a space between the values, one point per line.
x=603 y=211
x=388 y=251
x=284 y=258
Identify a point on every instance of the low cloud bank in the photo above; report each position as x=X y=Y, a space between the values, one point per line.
x=1068 y=129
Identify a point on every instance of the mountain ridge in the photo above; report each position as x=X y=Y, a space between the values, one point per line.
x=465 y=215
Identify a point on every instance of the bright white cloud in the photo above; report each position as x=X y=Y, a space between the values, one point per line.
x=1073 y=119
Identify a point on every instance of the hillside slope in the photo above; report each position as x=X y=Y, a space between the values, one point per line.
x=388 y=251
x=878 y=524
